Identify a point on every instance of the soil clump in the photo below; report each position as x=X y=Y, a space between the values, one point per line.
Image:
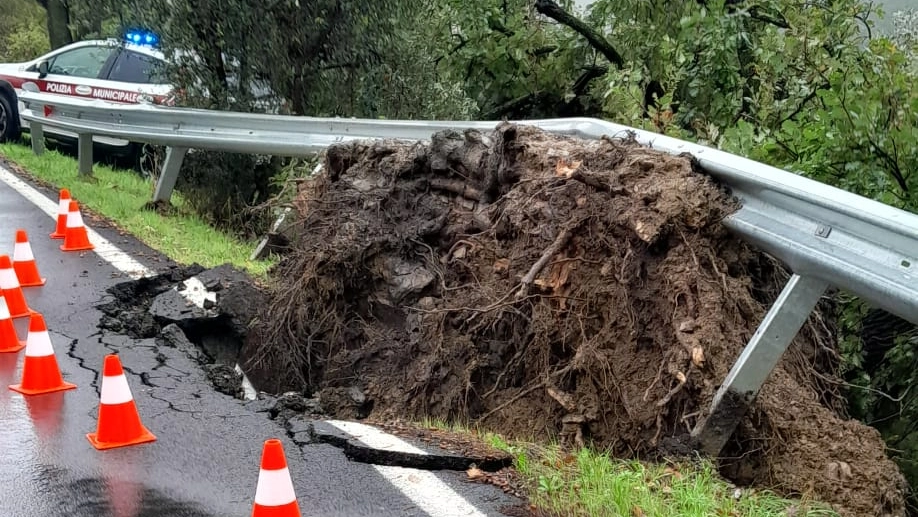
x=541 y=285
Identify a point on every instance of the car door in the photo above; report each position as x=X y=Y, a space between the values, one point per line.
x=133 y=71
x=76 y=71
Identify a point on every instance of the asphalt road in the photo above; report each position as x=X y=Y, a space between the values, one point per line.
x=207 y=456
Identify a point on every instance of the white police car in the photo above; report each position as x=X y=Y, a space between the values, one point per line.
x=129 y=71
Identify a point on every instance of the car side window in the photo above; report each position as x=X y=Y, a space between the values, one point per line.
x=80 y=62
x=134 y=67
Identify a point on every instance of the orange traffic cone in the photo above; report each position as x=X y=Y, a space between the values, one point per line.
x=40 y=372
x=274 y=495
x=63 y=208
x=9 y=340
x=76 y=238
x=9 y=284
x=24 y=262
x=119 y=422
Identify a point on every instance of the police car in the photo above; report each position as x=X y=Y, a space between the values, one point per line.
x=123 y=71
x=131 y=70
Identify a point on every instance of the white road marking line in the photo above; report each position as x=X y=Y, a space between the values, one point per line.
x=112 y=254
x=373 y=437
x=104 y=248
x=422 y=487
x=429 y=492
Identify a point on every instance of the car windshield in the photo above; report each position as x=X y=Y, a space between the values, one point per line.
x=134 y=67
x=86 y=61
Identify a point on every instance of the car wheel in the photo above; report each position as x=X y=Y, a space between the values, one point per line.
x=9 y=123
x=149 y=160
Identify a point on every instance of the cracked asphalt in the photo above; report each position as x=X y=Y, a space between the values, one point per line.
x=206 y=459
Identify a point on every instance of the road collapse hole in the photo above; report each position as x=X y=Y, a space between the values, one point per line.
x=202 y=312
x=220 y=344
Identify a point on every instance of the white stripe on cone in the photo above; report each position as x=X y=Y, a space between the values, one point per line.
x=63 y=206
x=115 y=390
x=74 y=219
x=275 y=488
x=38 y=344
x=4 y=309
x=22 y=252
x=8 y=279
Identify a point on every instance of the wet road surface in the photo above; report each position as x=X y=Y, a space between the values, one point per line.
x=206 y=459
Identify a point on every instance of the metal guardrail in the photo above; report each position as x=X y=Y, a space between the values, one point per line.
x=826 y=236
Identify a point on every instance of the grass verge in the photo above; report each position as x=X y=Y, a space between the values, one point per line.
x=119 y=195
x=593 y=483
x=588 y=482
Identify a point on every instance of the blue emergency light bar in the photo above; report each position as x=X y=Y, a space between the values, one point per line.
x=141 y=37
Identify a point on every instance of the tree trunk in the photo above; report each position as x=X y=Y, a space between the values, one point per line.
x=58 y=23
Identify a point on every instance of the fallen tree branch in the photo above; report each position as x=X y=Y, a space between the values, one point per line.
x=589 y=73
x=810 y=96
x=560 y=241
x=496 y=26
x=458 y=187
x=462 y=43
x=554 y=11
x=543 y=50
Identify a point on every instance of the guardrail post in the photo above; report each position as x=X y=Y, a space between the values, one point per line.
x=37 y=135
x=169 y=175
x=758 y=359
x=262 y=249
x=84 y=145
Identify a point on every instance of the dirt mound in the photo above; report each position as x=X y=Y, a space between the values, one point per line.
x=543 y=285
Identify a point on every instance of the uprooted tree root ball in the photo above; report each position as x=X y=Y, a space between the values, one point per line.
x=543 y=285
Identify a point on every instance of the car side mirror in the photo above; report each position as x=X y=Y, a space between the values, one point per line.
x=42 y=69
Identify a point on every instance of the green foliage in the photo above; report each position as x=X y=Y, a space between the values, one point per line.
x=861 y=134
x=91 y=19
x=691 y=53
x=404 y=82
x=502 y=52
x=25 y=43
x=23 y=34
x=308 y=53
